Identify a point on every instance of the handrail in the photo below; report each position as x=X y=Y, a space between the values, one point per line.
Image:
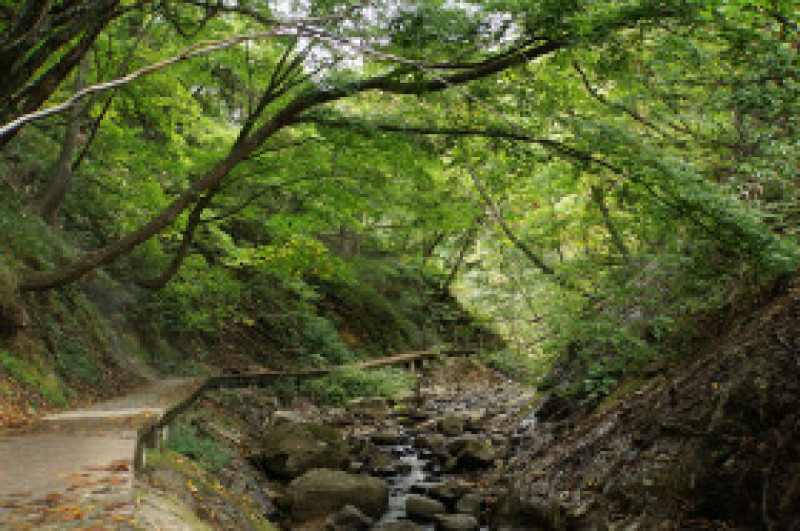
x=149 y=435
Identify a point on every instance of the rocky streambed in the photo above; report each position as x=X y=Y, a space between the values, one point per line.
x=434 y=461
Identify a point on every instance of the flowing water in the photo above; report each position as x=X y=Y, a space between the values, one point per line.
x=411 y=472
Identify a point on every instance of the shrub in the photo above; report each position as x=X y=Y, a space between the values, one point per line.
x=347 y=384
x=73 y=359
x=185 y=440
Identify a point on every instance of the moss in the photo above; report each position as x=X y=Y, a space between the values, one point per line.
x=199 y=480
x=623 y=390
x=209 y=454
x=46 y=383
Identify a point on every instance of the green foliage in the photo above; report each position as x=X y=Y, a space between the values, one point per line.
x=320 y=338
x=345 y=385
x=600 y=381
x=515 y=363
x=186 y=440
x=195 y=302
x=8 y=279
x=73 y=359
x=18 y=369
x=30 y=376
x=298 y=256
x=650 y=164
x=26 y=238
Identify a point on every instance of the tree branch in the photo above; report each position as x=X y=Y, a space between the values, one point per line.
x=121 y=70
x=315 y=96
x=197 y=49
x=195 y=217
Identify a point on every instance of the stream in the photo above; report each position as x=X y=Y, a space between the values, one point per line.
x=411 y=472
x=441 y=459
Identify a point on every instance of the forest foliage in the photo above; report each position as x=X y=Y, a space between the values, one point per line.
x=588 y=176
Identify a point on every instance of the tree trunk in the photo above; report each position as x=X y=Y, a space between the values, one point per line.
x=598 y=196
x=535 y=259
x=195 y=217
x=55 y=190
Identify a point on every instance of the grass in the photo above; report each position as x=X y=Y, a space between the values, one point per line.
x=199 y=481
x=28 y=375
x=210 y=455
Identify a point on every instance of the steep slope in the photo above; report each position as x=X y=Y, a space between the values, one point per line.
x=712 y=443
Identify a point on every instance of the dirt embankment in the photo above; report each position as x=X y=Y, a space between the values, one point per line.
x=713 y=443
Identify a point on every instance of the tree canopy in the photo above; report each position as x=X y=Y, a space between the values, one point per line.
x=605 y=168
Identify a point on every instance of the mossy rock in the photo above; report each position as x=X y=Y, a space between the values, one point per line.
x=288 y=449
x=322 y=492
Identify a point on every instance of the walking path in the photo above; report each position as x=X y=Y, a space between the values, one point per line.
x=75 y=469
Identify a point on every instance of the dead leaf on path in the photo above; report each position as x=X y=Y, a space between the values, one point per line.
x=10 y=505
x=115 y=466
x=53 y=498
x=113 y=506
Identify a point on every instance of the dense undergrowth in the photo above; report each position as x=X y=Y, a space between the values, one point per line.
x=90 y=338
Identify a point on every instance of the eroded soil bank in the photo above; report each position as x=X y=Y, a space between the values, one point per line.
x=711 y=443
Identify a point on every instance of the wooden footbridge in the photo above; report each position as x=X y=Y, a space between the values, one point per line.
x=77 y=467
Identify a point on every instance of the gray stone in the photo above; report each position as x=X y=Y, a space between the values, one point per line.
x=475 y=454
x=456 y=522
x=289 y=449
x=448 y=492
x=470 y=503
x=322 y=492
x=388 y=437
x=452 y=426
x=350 y=518
x=376 y=460
x=423 y=508
x=400 y=525
x=368 y=407
x=435 y=442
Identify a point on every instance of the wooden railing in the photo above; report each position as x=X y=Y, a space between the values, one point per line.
x=154 y=433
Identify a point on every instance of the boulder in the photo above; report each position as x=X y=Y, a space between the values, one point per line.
x=435 y=442
x=423 y=508
x=470 y=503
x=321 y=492
x=379 y=462
x=288 y=449
x=456 y=522
x=514 y=512
x=449 y=492
x=350 y=518
x=452 y=426
x=475 y=454
x=388 y=437
x=375 y=407
x=400 y=525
